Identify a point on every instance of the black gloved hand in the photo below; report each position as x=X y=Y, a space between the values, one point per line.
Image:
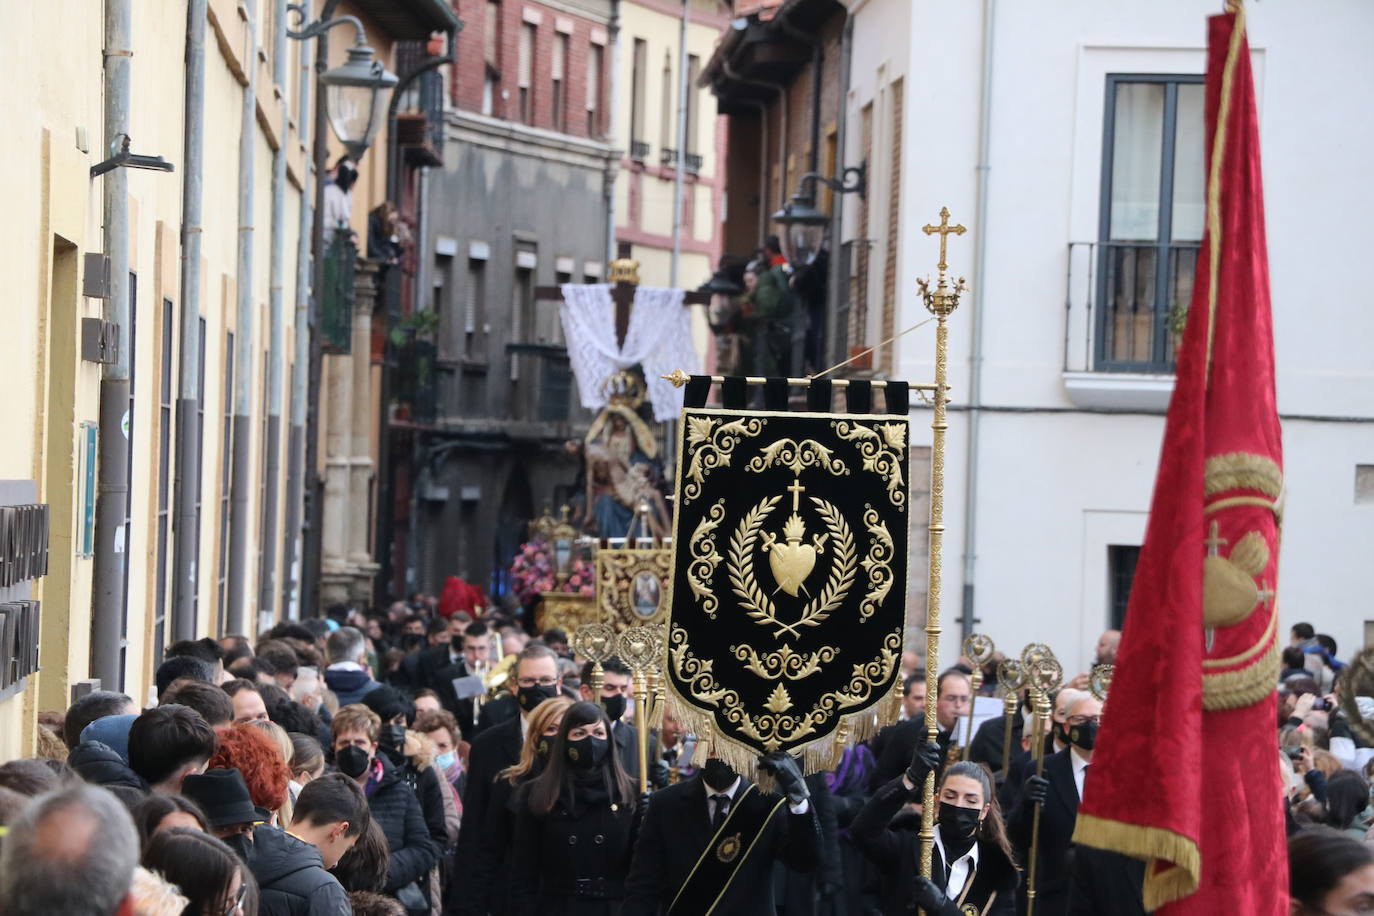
x=658 y=774
x=1036 y=788
x=929 y=897
x=925 y=760
x=787 y=774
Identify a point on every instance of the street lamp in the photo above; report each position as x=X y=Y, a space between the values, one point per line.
x=354 y=101
x=803 y=225
x=354 y=98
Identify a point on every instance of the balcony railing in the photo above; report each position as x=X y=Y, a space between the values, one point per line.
x=1125 y=305
x=693 y=163
x=667 y=156
x=542 y=385
x=336 y=294
x=639 y=150
x=416 y=380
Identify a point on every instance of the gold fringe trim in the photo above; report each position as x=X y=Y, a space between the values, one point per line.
x=1148 y=843
x=817 y=756
x=1242 y=471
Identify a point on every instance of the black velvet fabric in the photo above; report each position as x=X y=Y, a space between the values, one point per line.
x=789 y=559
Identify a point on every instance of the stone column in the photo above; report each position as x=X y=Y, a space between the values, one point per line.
x=338 y=441
x=363 y=425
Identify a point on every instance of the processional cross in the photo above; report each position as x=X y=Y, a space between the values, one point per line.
x=944 y=230
x=624 y=277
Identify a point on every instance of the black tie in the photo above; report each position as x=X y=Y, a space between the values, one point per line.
x=722 y=809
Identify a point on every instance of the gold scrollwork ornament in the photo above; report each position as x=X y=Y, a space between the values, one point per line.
x=880 y=446
x=785 y=662
x=710 y=444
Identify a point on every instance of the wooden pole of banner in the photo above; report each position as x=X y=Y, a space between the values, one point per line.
x=940 y=302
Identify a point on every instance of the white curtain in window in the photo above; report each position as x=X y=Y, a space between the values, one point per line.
x=1190 y=180
x=1137 y=141
x=659 y=339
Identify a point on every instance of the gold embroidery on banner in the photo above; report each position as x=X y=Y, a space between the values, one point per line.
x=785 y=662
x=1243 y=471
x=779 y=700
x=760 y=607
x=877 y=563
x=795 y=456
x=711 y=446
x=1244 y=686
x=705 y=558
x=777 y=727
x=881 y=447
x=1230 y=593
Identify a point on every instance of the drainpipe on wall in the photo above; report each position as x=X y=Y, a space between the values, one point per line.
x=311 y=531
x=680 y=175
x=186 y=485
x=838 y=285
x=108 y=597
x=276 y=347
x=612 y=125
x=967 y=620
x=240 y=492
x=300 y=374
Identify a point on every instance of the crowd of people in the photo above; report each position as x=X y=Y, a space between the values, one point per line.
x=418 y=762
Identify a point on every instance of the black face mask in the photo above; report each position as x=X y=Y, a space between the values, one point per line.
x=352 y=761
x=1083 y=736
x=541 y=750
x=1061 y=732
x=530 y=697
x=393 y=737
x=410 y=642
x=587 y=753
x=956 y=822
x=614 y=706
x=718 y=774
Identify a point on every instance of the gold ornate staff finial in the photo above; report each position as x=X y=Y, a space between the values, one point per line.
x=1100 y=681
x=978 y=649
x=941 y=303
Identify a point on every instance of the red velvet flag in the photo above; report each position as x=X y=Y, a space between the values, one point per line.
x=1185 y=772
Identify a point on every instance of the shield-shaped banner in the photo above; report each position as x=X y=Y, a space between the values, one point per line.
x=789 y=578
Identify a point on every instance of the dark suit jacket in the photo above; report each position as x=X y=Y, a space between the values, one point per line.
x=494 y=712
x=492 y=751
x=897 y=853
x=986 y=746
x=436 y=671
x=627 y=747
x=677 y=829
x=1105 y=884
x=1054 y=865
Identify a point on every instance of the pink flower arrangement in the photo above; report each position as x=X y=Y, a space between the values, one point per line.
x=533 y=571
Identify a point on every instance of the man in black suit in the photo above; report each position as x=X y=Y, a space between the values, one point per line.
x=536 y=680
x=467 y=653
x=716 y=836
x=954 y=694
x=1057 y=794
x=615 y=697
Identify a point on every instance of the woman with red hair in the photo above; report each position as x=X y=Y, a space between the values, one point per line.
x=248 y=750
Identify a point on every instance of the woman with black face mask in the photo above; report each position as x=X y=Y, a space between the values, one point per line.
x=575 y=823
x=972 y=867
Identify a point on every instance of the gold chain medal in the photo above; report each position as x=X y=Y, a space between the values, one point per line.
x=1241 y=522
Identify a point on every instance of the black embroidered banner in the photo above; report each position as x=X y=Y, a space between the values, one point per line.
x=789 y=576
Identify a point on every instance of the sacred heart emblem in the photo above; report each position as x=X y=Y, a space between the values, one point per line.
x=793 y=561
x=1230 y=592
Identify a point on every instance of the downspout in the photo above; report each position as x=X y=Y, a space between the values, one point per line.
x=680 y=175
x=187 y=481
x=386 y=514
x=300 y=373
x=276 y=356
x=967 y=619
x=108 y=597
x=612 y=125
x=838 y=284
x=312 y=531
x=240 y=492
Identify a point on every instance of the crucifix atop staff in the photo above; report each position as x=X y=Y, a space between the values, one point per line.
x=623 y=274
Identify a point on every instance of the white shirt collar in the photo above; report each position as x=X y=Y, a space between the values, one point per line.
x=345 y=666
x=1079 y=764
x=957 y=872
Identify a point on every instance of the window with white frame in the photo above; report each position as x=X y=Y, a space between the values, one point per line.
x=1152 y=213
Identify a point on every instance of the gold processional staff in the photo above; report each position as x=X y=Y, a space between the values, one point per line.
x=940 y=302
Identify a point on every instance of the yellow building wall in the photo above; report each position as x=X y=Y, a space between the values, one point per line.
x=51 y=87
x=660 y=31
